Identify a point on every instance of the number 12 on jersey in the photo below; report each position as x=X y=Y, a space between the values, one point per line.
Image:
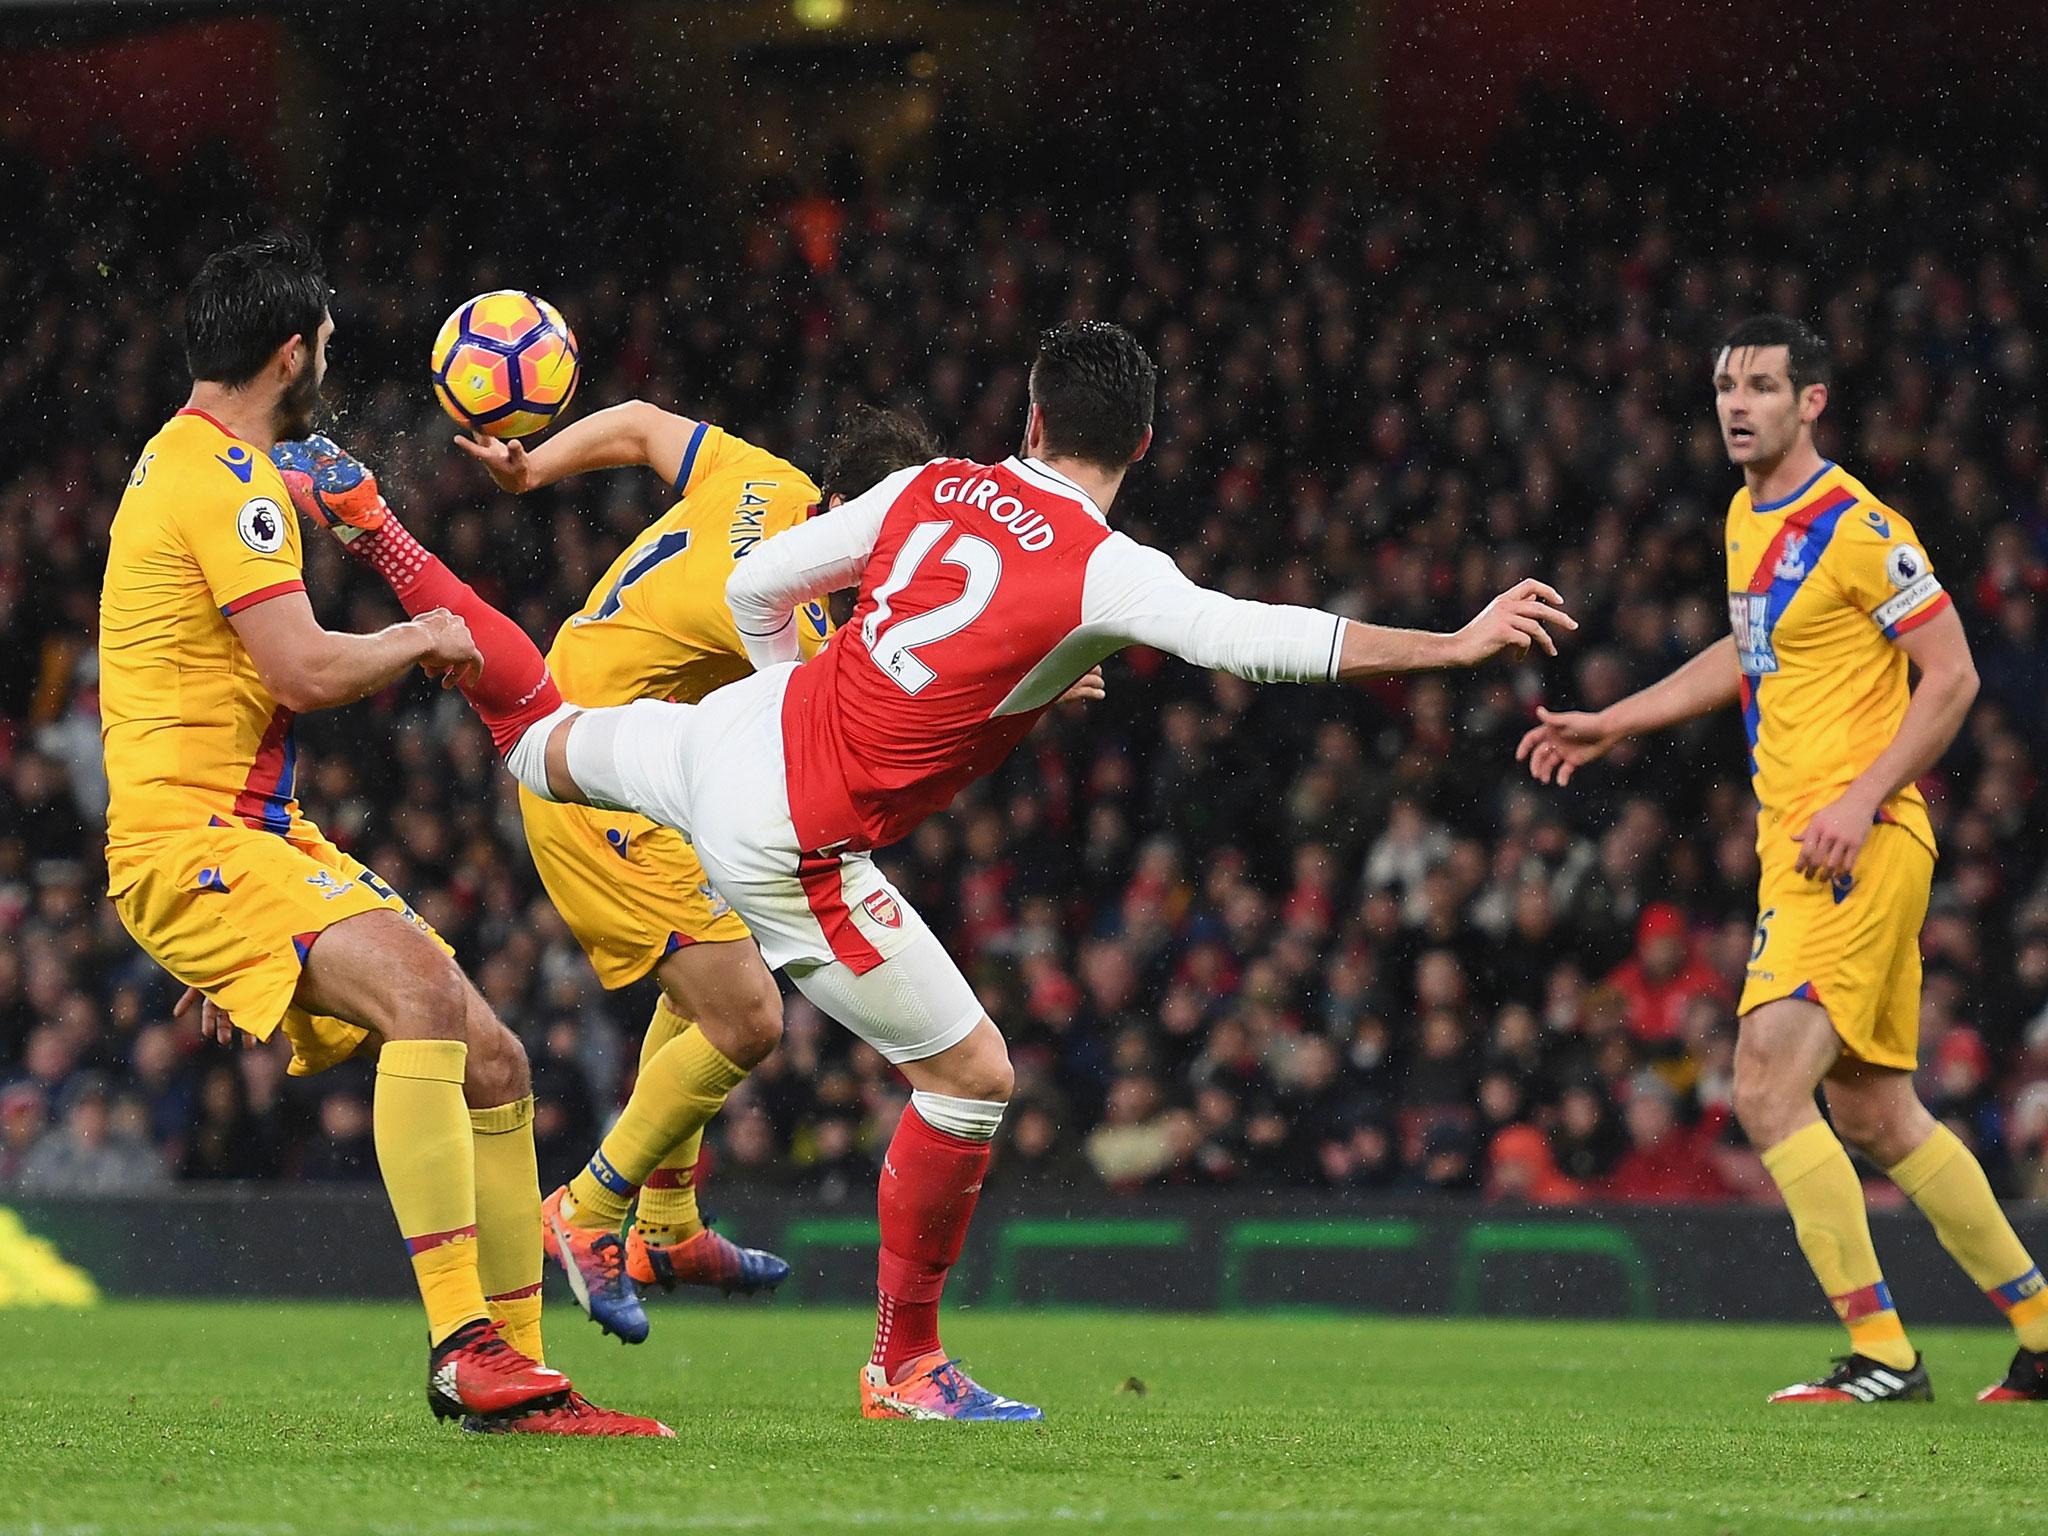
x=894 y=645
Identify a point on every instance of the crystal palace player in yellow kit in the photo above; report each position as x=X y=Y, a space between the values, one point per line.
x=656 y=625
x=208 y=648
x=1832 y=597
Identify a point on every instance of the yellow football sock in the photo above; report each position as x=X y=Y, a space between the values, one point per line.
x=667 y=1210
x=508 y=1245
x=1821 y=1191
x=421 y=1129
x=679 y=1091
x=1948 y=1184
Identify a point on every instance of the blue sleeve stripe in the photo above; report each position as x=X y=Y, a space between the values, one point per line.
x=690 y=458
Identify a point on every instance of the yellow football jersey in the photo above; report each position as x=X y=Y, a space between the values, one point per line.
x=191 y=736
x=656 y=625
x=1819 y=586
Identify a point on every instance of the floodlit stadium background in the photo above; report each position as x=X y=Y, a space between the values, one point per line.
x=1433 y=287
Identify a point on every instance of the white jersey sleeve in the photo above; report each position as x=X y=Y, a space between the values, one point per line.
x=1138 y=596
x=822 y=555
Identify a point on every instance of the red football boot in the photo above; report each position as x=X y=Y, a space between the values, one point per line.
x=574 y=1415
x=1860 y=1379
x=2025 y=1382
x=474 y=1370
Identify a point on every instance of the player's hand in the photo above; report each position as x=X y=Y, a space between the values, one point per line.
x=1563 y=742
x=504 y=458
x=1831 y=841
x=1087 y=688
x=451 y=653
x=214 y=1023
x=1519 y=618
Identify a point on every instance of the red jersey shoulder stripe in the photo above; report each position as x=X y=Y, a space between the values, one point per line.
x=249 y=600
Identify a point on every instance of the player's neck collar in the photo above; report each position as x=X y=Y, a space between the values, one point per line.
x=1785 y=501
x=207 y=417
x=1038 y=469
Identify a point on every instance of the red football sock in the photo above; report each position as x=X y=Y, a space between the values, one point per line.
x=930 y=1183
x=515 y=689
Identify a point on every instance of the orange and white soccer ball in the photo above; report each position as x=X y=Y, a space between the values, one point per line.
x=505 y=364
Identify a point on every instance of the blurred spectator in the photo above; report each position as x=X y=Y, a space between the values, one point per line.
x=1139 y=1140
x=1239 y=937
x=89 y=1151
x=345 y=1152
x=1522 y=1167
x=1666 y=1163
x=1663 y=975
x=23 y=1115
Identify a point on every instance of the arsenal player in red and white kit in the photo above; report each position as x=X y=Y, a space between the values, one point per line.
x=987 y=591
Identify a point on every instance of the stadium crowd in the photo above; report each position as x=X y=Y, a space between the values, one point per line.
x=1237 y=937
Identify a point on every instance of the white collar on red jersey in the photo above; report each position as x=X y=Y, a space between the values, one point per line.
x=1038 y=469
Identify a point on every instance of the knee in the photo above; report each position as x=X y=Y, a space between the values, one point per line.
x=432 y=1005
x=1884 y=1133
x=755 y=1029
x=745 y=1029
x=497 y=1071
x=1001 y=1081
x=982 y=1072
x=1762 y=1106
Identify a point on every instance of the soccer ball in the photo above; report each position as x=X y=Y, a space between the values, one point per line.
x=505 y=363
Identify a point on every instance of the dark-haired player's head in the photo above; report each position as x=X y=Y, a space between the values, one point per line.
x=870 y=445
x=1091 y=395
x=256 y=319
x=1770 y=386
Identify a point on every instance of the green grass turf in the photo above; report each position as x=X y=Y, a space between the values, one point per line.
x=258 y=1419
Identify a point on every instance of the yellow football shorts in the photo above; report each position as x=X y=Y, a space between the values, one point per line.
x=630 y=889
x=233 y=911
x=1853 y=945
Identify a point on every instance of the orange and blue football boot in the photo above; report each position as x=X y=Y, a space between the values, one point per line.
x=934 y=1387
x=573 y=1415
x=329 y=485
x=594 y=1260
x=706 y=1259
x=2025 y=1382
x=474 y=1371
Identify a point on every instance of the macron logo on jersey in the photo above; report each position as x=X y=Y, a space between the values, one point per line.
x=1029 y=527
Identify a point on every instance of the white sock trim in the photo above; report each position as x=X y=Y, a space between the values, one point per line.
x=528 y=759
x=969 y=1119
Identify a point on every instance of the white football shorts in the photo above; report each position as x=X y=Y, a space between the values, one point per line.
x=846 y=936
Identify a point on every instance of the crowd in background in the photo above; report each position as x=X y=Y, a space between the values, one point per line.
x=1237 y=937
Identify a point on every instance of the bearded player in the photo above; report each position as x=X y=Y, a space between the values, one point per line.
x=656 y=626
x=208 y=650
x=1833 y=600
x=986 y=593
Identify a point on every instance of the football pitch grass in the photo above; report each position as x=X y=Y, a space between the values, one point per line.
x=273 y=1420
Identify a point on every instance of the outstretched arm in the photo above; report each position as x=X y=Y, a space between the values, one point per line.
x=307 y=667
x=1514 y=621
x=1138 y=596
x=634 y=433
x=1566 y=740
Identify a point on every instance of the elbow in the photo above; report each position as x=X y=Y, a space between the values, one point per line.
x=300 y=685
x=741 y=598
x=295 y=691
x=644 y=421
x=1967 y=686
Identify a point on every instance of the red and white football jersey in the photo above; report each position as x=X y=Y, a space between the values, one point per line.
x=986 y=590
